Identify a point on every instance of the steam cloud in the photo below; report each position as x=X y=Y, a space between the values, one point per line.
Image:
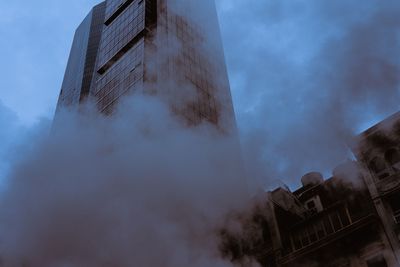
x=121 y=191
x=135 y=189
x=310 y=75
x=126 y=192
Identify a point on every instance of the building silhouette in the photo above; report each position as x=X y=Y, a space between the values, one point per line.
x=161 y=47
x=349 y=220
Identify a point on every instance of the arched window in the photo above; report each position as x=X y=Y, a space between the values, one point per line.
x=392 y=156
x=377 y=165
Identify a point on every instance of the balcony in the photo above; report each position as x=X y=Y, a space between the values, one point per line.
x=326 y=228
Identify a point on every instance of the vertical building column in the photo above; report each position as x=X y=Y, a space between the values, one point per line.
x=390 y=238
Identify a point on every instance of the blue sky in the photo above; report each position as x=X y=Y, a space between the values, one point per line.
x=305 y=74
x=36 y=38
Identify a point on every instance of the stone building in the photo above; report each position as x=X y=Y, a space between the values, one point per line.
x=349 y=220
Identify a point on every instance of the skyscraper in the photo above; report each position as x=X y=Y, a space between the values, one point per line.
x=171 y=48
x=80 y=68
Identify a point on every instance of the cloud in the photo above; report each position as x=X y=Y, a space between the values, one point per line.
x=308 y=76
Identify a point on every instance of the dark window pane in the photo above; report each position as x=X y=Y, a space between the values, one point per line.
x=304 y=238
x=335 y=221
x=311 y=204
x=344 y=218
x=377 y=165
x=392 y=156
x=328 y=226
x=296 y=241
x=378 y=261
x=312 y=234
x=320 y=230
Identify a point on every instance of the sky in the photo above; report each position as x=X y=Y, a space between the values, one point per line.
x=305 y=75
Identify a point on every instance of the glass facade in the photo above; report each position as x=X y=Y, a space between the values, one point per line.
x=150 y=46
x=120 y=61
x=124 y=76
x=80 y=67
x=121 y=31
x=191 y=65
x=191 y=70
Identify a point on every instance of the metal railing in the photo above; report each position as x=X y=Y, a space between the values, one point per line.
x=327 y=225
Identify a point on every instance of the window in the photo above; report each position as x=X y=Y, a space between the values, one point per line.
x=304 y=238
x=311 y=204
x=394 y=202
x=396 y=216
x=392 y=156
x=378 y=261
x=322 y=227
x=336 y=221
x=296 y=241
x=328 y=226
x=344 y=216
x=312 y=234
x=377 y=165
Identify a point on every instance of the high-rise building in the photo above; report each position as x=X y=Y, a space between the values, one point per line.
x=171 y=48
x=80 y=68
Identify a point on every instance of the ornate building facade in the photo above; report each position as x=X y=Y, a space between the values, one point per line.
x=349 y=220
